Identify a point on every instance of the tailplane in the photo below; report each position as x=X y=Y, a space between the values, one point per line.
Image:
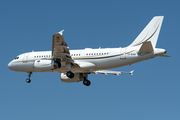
x=149 y=33
x=146 y=48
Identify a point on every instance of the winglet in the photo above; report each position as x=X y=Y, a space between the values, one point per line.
x=61 y=32
x=132 y=72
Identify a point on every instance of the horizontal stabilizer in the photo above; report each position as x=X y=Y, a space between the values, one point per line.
x=146 y=48
x=163 y=56
x=106 y=72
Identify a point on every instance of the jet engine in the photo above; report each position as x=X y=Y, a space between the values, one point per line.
x=47 y=64
x=77 y=77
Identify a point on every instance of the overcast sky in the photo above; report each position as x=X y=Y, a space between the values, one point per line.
x=152 y=93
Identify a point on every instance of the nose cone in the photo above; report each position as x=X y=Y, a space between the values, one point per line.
x=10 y=65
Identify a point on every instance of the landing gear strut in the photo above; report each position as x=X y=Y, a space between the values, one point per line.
x=86 y=82
x=28 y=80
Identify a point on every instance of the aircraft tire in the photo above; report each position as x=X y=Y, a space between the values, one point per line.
x=69 y=74
x=87 y=82
x=28 y=80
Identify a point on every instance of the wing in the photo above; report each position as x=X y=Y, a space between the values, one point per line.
x=60 y=49
x=106 y=72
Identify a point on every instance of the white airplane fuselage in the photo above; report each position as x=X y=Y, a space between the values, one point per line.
x=100 y=58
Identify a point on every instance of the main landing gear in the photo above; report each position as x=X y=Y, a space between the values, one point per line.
x=28 y=80
x=86 y=82
x=69 y=74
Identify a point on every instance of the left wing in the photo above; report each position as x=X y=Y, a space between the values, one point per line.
x=59 y=47
x=106 y=72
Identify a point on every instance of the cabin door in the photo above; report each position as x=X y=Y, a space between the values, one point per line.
x=25 y=59
x=123 y=53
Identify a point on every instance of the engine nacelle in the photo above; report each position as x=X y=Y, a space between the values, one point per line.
x=77 y=77
x=45 y=64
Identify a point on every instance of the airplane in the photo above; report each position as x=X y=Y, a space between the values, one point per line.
x=75 y=65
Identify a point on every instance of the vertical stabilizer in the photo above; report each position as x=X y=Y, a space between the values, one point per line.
x=149 y=33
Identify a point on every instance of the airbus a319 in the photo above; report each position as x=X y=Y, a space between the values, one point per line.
x=76 y=65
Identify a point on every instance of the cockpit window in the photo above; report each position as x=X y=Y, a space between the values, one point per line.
x=17 y=58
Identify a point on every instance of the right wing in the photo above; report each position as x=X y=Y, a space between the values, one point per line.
x=106 y=72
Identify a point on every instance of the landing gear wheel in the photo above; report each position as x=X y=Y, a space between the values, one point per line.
x=59 y=65
x=69 y=74
x=87 y=82
x=28 y=80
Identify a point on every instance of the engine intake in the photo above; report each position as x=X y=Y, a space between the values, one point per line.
x=46 y=64
x=77 y=77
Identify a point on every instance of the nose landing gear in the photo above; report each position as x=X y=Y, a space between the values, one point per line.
x=28 y=80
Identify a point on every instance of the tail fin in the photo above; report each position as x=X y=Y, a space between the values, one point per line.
x=149 y=33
